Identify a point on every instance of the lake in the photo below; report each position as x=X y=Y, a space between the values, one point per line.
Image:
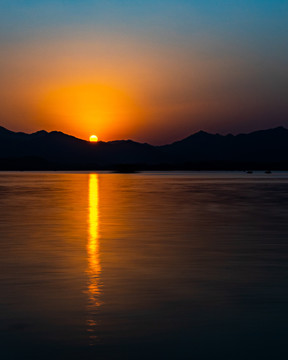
x=143 y=266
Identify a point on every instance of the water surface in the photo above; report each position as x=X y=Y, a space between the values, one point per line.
x=138 y=266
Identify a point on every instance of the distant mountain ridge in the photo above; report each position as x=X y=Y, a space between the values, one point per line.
x=57 y=150
x=262 y=145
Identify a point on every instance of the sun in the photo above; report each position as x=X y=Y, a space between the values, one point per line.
x=82 y=107
x=93 y=138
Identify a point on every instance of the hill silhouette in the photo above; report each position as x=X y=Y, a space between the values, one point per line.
x=44 y=150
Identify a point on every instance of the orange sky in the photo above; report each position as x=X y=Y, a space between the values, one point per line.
x=149 y=78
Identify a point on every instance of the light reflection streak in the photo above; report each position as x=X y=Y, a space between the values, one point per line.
x=94 y=266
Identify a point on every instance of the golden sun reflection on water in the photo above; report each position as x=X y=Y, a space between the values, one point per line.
x=94 y=266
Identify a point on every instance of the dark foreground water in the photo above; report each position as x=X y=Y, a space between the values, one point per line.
x=143 y=266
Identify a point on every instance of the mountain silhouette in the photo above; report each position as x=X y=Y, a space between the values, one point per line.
x=56 y=150
x=259 y=146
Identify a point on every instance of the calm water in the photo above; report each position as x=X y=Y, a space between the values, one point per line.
x=143 y=266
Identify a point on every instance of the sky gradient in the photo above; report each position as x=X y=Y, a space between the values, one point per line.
x=153 y=71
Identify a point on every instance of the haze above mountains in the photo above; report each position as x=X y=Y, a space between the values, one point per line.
x=55 y=150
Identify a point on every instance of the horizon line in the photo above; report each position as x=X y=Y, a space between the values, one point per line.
x=118 y=140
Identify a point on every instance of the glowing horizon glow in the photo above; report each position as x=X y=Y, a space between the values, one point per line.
x=93 y=138
x=83 y=106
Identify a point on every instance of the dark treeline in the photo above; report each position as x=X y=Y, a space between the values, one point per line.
x=38 y=164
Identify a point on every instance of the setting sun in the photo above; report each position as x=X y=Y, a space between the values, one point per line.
x=93 y=138
x=82 y=107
